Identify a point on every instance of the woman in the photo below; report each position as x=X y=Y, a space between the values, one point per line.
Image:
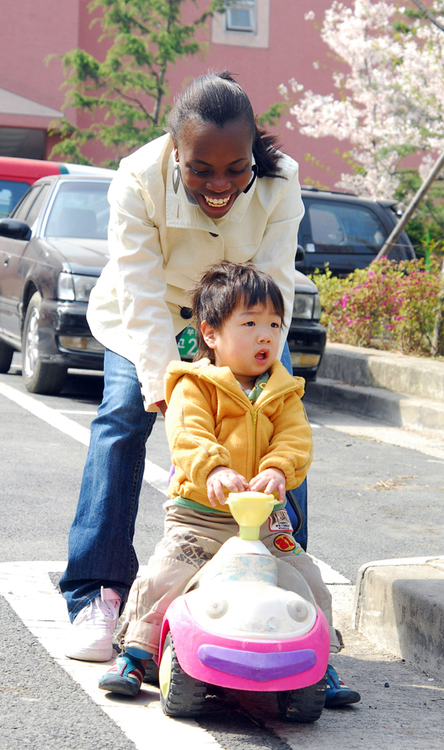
x=214 y=187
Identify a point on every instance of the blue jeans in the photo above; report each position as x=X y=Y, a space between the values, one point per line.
x=100 y=546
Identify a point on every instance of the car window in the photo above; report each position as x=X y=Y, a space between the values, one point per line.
x=80 y=209
x=352 y=228
x=21 y=211
x=10 y=194
x=34 y=209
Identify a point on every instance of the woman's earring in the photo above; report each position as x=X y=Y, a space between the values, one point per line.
x=254 y=175
x=176 y=177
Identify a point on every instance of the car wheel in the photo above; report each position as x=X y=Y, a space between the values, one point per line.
x=304 y=705
x=39 y=377
x=180 y=694
x=6 y=354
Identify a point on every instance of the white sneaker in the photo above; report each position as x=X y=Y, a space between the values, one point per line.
x=93 y=628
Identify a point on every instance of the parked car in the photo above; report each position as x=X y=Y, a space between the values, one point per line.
x=17 y=175
x=52 y=250
x=347 y=232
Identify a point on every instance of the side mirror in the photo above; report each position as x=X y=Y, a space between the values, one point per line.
x=300 y=254
x=15 y=230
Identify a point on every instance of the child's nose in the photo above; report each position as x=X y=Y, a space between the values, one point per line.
x=264 y=335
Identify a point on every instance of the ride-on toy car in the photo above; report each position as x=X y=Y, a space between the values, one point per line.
x=236 y=627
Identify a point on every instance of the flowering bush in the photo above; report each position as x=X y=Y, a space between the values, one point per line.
x=388 y=305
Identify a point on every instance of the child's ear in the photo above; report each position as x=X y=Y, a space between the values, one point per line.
x=208 y=334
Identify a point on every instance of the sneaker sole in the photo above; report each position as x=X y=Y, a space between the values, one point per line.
x=91 y=654
x=120 y=685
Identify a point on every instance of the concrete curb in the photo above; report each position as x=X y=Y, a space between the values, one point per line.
x=399 y=604
x=402 y=391
x=412 y=376
x=377 y=403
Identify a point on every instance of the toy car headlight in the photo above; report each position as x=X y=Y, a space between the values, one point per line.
x=217 y=608
x=297 y=609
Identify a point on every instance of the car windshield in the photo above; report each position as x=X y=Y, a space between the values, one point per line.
x=80 y=209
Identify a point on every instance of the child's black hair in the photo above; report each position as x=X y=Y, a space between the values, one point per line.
x=222 y=288
x=218 y=98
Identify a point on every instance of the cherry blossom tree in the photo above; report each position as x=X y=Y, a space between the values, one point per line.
x=388 y=99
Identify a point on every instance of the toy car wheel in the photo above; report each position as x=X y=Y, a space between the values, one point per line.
x=180 y=694
x=304 y=705
x=151 y=673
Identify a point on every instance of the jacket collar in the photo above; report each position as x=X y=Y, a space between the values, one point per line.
x=182 y=214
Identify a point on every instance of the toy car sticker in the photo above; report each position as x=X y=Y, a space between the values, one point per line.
x=279 y=521
x=284 y=543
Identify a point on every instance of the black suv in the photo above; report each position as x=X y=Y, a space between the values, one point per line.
x=347 y=232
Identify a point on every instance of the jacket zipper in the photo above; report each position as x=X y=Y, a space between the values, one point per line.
x=254 y=416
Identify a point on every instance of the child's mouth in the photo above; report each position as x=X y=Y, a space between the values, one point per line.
x=262 y=356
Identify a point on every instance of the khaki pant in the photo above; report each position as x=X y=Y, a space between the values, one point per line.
x=191 y=539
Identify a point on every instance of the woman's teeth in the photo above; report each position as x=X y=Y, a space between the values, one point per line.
x=217 y=202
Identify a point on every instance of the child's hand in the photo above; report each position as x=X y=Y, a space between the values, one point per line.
x=268 y=481
x=221 y=477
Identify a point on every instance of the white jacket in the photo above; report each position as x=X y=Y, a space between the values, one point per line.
x=159 y=244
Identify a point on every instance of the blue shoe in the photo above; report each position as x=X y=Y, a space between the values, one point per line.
x=124 y=677
x=338 y=694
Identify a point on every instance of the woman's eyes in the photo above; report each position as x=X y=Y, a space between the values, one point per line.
x=207 y=171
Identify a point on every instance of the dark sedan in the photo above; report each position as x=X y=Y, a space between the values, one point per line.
x=52 y=250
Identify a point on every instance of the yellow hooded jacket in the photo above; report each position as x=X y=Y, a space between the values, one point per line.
x=210 y=422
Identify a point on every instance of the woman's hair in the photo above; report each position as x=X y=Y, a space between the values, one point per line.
x=222 y=288
x=218 y=98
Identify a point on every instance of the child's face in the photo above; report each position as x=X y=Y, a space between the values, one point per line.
x=247 y=343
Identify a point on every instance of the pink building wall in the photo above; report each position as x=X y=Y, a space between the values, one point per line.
x=38 y=28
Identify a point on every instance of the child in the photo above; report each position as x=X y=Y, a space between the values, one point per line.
x=235 y=424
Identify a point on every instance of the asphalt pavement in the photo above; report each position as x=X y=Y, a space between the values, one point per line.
x=48 y=700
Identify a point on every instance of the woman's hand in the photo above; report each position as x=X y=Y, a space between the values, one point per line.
x=221 y=477
x=268 y=481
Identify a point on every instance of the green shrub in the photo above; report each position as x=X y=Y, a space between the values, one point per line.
x=387 y=305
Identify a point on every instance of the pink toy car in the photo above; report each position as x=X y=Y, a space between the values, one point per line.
x=237 y=628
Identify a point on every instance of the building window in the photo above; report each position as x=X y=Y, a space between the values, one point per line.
x=241 y=16
x=245 y=23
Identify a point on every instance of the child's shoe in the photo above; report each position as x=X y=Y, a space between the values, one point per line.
x=338 y=694
x=124 y=677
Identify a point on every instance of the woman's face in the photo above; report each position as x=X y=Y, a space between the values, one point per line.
x=215 y=163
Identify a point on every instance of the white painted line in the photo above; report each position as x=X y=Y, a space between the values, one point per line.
x=29 y=591
x=46 y=414
x=153 y=474
x=329 y=575
x=78 y=411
